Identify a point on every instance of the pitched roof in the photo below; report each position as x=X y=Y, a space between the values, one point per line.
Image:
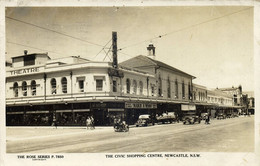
x=159 y=64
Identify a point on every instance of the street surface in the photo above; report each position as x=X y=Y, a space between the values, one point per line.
x=229 y=135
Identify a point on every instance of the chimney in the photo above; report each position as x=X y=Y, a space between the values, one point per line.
x=25 y=52
x=151 y=51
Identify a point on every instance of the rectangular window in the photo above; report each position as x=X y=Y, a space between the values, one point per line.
x=183 y=90
x=176 y=90
x=99 y=85
x=169 y=92
x=81 y=85
x=29 y=60
x=190 y=94
x=114 y=86
x=169 y=89
x=152 y=89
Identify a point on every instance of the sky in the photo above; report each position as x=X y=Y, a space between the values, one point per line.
x=212 y=43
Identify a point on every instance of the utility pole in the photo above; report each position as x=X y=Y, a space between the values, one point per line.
x=114 y=42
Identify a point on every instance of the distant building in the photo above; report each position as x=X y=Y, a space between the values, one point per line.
x=236 y=92
x=212 y=101
x=250 y=99
x=200 y=93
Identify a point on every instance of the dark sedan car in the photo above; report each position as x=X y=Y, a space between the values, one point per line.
x=144 y=120
x=221 y=116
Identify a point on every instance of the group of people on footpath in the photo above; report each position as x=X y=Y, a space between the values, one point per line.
x=90 y=123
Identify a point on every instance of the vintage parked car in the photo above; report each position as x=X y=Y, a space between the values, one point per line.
x=221 y=116
x=190 y=117
x=229 y=115
x=167 y=118
x=204 y=115
x=144 y=120
x=235 y=115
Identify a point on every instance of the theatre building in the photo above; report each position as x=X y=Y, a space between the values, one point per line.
x=40 y=90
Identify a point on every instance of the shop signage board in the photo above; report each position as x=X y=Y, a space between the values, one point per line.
x=115 y=109
x=186 y=107
x=37 y=112
x=141 y=105
x=107 y=105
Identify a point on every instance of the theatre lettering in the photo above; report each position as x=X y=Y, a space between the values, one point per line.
x=25 y=71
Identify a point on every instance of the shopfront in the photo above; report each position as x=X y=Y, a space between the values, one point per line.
x=104 y=113
x=135 y=109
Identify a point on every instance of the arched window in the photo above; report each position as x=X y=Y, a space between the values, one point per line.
x=15 y=89
x=160 y=86
x=33 y=87
x=128 y=85
x=24 y=88
x=176 y=89
x=169 y=88
x=134 y=87
x=141 y=87
x=64 y=84
x=53 y=86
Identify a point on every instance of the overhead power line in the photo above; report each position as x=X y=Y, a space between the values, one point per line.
x=103 y=49
x=107 y=53
x=35 y=48
x=76 y=38
x=185 y=28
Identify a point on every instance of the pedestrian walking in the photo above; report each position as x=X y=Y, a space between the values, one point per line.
x=207 y=118
x=88 y=123
x=92 y=122
x=54 y=123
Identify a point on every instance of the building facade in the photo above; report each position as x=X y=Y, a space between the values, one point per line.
x=41 y=90
x=236 y=92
